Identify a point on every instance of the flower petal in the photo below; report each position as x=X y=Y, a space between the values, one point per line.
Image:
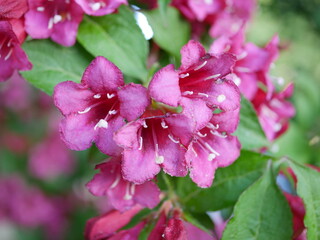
x=133 y=101
x=164 y=86
x=191 y=54
x=102 y=76
x=147 y=194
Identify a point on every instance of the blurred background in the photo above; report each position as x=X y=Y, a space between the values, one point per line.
x=43 y=194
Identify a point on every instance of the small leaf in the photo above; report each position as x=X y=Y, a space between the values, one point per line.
x=118 y=38
x=308 y=190
x=53 y=64
x=249 y=130
x=170 y=33
x=227 y=186
x=262 y=213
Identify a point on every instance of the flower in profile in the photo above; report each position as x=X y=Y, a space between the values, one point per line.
x=100 y=7
x=107 y=225
x=12 y=56
x=200 y=77
x=98 y=106
x=122 y=195
x=213 y=147
x=274 y=113
x=253 y=63
x=57 y=19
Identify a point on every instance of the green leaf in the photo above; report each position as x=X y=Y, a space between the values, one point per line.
x=118 y=38
x=170 y=33
x=249 y=130
x=262 y=213
x=229 y=183
x=53 y=64
x=308 y=190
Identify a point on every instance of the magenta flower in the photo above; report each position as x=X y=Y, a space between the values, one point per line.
x=122 y=194
x=57 y=19
x=51 y=158
x=106 y=226
x=253 y=63
x=213 y=147
x=158 y=140
x=200 y=77
x=12 y=57
x=100 y=7
x=274 y=113
x=95 y=108
x=13 y=9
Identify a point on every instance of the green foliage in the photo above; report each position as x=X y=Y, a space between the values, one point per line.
x=227 y=186
x=118 y=38
x=249 y=130
x=53 y=64
x=261 y=213
x=308 y=190
x=170 y=32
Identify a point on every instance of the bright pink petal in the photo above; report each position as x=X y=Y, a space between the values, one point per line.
x=127 y=136
x=194 y=233
x=191 y=53
x=99 y=8
x=133 y=101
x=147 y=194
x=130 y=234
x=226 y=121
x=12 y=9
x=164 y=86
x=70 y=97
x=102 y=76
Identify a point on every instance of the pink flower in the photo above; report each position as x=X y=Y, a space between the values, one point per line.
x=200 y=77
x=13 y=9
x=100 y=7
x=12 y=57
x=253 y=63
x=122 y=194
x=106 y=226
x=213 y=147
x=51 y=158
x=158 y=140
x=95 y=108
x=274 y=113
x=57 y=19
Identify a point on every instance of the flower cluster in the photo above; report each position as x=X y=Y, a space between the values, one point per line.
x=144 y=130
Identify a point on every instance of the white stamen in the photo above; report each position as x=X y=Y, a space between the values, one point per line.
x=187 y=93
x=213 y=76
x=144 y=124
x=242 y=69
x=184 y=75
x=203 y=94
x=159 y=159
x=140 y=143
x=211 y=156
x=57 y=18
x=194 y=151
x=9 y=42
x=101 y=124
x=127 y=196
x=201 y=135
x=236 y=80
x=132 y=188
x=210 y=125
x=85 y=111
x=208 y=1
x=40 y=9
x=96 y=6
x=201 y=66
x=211 y=149
x=50 y=23
x=97 y=96
x=163 y=124
x=242 y=55
x=8 y=55
x=227 y=48
x=115 y=183
x=218 y=134
x=172 y=139
x=268 y=112
x=276 y=103
x=112 y=112
x=277 y=127
x=221 y=98
x=109 y=96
